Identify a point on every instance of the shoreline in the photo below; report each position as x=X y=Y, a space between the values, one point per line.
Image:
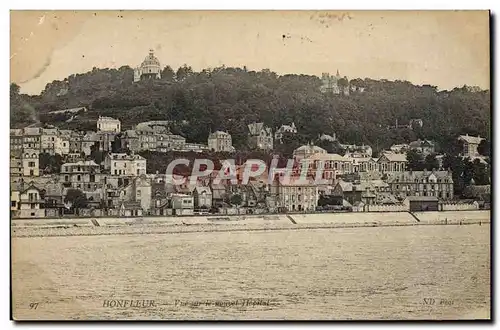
x=170 y=225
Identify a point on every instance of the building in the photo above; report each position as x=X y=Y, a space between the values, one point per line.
x=328 y=138
x=390 y=162
x=297 y=196
x=82 y=175
x=32 y=138
x=108 y=124
x=422 y=183
x=421 y=203
x=220 y=141
x=202 y=197
x=368 y=192
x=260 y=136
x=470 y=144
x=195 y=147
x=48 y=140
x=424 y=147
x=61 y=146
x=167 y=141
x=307 y=151
x=16 y=168
x=31 y=162
x=357 y=151
x=16 y=141
x=30 y=203
x=143 y=192
x=289 y=129
x=330 y=83
x=400 y=148
x=149 y=69
x=125 y=165
x=182 y=204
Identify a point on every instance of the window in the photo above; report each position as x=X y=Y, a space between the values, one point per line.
x=138 y=193
x=13 y=204
x=32 y=173
x=31 y=164
x=32 y=214
x=92 y=178
x=78 y=178
x=66 y=178
x=33 y=206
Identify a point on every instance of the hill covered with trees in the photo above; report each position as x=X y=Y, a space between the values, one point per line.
x=230 y=98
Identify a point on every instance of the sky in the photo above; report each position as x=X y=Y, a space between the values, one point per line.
x=442 y=48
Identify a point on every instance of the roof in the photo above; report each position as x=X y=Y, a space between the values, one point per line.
x=202 y=189
x=16 y=132
x=214 y=134
x=410 y=176
x=124 y=156
x=422 y=198
x=32 y=131
x=310 y=148
x=470 y=139
x=326 y=156
x=393 y=157
x=107 y=118
x=50 y=131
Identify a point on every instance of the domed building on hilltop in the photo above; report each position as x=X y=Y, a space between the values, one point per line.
x=149 y=69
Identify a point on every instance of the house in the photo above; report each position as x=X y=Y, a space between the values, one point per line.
x=421 y=203
x=108 y=124
x=15 y=190
x=390 y=162
x=424 y=147
x=202 y=197
x=123 y=164
x=296 y=195
x=30 y=203
x=143 y=192
x=422 y=183
x=16 y=168
x=32 y=138
x=130 y=209
x=62 y=144
x=53 y=193
x=16 y=140
x=289 y=129
x=167 y=141
x=83 y=175
x=328 y=138
x=354 y=150
x=470 y=145
x=30 y=161
x=367 y=192
x=307 y=151
x=219 y=194
x=260 y=136
x=220 y=141
x=400 y=148
x=182 y=204
x=48 y=140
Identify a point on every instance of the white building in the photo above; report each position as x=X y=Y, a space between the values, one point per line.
x=470 y=144
x=108 y=124
x=125 y=165
x=260 y=136
x=298 y=196
x=220 y=141
x=31 y=162
x=30 y=203
x=149 y=69
x=182 y=204
x=307 y=151
x=49 y=140
x=291 y=129
x=61 y=146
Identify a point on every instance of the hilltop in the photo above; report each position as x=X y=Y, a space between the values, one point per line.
x=230 y=98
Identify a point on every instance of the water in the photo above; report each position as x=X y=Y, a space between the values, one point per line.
x=357 y=273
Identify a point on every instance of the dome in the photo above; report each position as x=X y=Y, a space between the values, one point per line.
x=151 y=60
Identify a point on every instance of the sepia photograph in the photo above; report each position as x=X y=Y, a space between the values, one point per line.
x=200 y=165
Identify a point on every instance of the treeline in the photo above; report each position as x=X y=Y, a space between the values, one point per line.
x=231 y=98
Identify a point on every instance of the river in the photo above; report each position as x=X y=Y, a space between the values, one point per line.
x=416 y=272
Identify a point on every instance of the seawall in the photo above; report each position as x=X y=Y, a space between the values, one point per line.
x=165 y=225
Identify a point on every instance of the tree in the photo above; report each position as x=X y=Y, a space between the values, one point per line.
x=431 y=162
x=484 y=148
x=50 y=164
x=235 y=200
x=168 y=73
x=76 y=199
x=183 y=72
x=415 y=160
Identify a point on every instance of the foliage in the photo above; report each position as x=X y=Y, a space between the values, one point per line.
x=236 y=200
x=76 y=198
x=231 y=98
x=50 y=164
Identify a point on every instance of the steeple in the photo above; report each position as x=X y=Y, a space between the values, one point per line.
x=338 y=74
